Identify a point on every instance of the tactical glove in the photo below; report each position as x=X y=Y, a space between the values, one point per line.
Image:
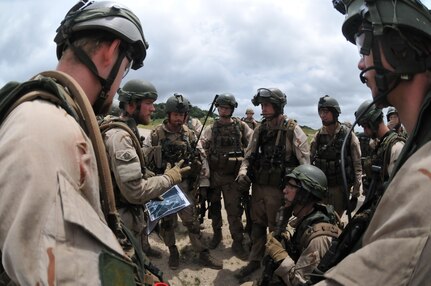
x=243 y=180
x=175 y=173
x=275 y=249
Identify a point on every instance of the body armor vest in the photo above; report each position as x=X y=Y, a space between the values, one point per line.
x=328 y=157
x=227 y=149
x=176 y=147
x=382 y=156
x=251 y=123
x=273 y=158
x=322 y=221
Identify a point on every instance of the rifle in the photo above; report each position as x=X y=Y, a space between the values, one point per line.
x=245 y=203
x=283 y=216
x=199 y=203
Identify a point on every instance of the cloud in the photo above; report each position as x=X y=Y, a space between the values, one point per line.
x=201 y=48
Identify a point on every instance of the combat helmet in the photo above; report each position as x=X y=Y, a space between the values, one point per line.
x=312 y=180
x=105 y=16
x=107 y=21
x=330 y=103
x=402 y=29
x=370 y=115
x=177 y=103
x=249 y=110
x=137 y=89
x=271 y=95
x=391 y=110
x=226 y=99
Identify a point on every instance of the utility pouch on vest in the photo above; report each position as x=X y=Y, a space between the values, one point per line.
x=272 y=177
x=157 y=155
x=114 y=270
x=226 y=164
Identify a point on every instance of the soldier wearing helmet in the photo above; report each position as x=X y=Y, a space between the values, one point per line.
x=315 y=225
x=134 y=183
x=388 y=144
x=394 y=123
x=394 y=39
x=224 y=142
x=63 y=236
x=278 y=145
x=172 y=141
x=251 y=122
x=326 y=155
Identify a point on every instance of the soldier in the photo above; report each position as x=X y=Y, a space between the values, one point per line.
x=315 y=225
x=173 y=141
x=393 y=248
x=52 y=228
x=326 y=155
x=224 y=142
x=249 y=118
x=134 y=184
x=278 y=145
x=388 y=148
x=394 y=122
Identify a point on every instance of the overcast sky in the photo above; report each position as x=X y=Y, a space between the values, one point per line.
x=201 y=48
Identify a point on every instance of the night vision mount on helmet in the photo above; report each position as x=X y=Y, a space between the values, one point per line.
x=330 y=103
x=177 y=103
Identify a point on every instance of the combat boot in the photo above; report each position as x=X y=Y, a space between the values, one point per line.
x=215 y=241
x=174 y=257
x=209 y=261
x=247 y=270
x=238 y=250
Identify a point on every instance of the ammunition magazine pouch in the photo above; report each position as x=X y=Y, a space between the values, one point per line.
x=332 y=169
x=226 y=164
x=269 y=176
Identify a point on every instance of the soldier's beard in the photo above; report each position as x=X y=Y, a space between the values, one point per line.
x=328 y=123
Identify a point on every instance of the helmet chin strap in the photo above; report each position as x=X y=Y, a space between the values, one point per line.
x=385 y=79
x=105 y=83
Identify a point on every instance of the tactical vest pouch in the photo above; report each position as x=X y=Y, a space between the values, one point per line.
x=157 y=156
x=114 y=270
x=272 y=177
x=226 y=164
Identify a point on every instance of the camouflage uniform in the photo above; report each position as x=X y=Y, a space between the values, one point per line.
x=310 y=241
x=195 y=125
x=268 y=162
x=326 y=154
x=133 y=188
x=393 y=247
x=174 y=147
x=224 y=145
x=52 y=228
x=250 y=121
x=37 y=235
